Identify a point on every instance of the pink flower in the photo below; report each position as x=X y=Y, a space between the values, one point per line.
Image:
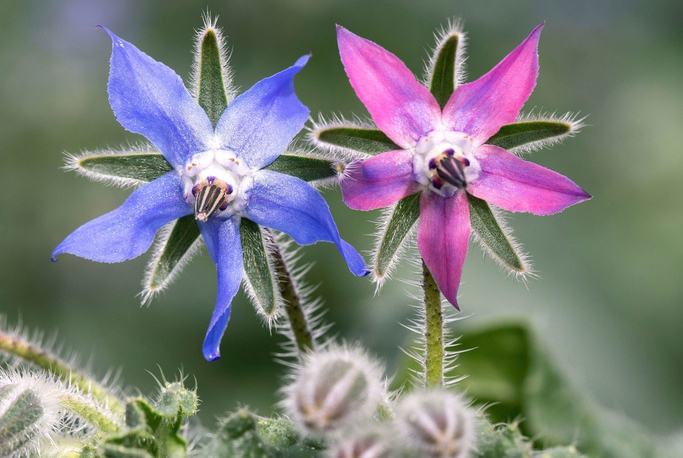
x=443 y=153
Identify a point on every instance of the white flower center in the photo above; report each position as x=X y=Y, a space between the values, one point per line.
x=215 y=183
x=444 y=162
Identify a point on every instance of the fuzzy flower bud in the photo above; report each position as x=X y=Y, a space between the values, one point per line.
x=333 y=388
x=436 y=424
x=29 y=413
x=369 y=444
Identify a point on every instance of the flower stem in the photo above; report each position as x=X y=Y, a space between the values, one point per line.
x=301 y=331
x=20 y=348
x=89 y=413
x=434 y=349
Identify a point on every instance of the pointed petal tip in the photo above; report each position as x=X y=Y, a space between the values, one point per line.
x=211 y=357
x=303 y=60
x=53 y=258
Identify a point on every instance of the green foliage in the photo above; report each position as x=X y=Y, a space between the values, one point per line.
x=211 y=93
x=258 y=269
x=304 y=167
x=509 y=373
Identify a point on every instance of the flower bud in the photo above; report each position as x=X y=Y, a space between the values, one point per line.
x=28 y=413
x=370 y=444
x=436 y=424
x=333 y=388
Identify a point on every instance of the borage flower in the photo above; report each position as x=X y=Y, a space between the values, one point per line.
x=444 y=144
x=217 y=172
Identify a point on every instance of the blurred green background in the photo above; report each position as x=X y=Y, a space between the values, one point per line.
x=608 y=306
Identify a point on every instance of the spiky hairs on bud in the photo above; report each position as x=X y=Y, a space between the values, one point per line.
x=333 y=388
x=368 y=443
x=436 y=423
x=29 y=413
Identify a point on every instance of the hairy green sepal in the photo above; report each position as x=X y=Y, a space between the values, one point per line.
x=524 y=132
x=257 y=268
x=306 y=168
x=490 y=232
x=182 y=236
x=442 y=82
x=369 y=141
x=211 y=93
x=402 y=219
x=137 y=166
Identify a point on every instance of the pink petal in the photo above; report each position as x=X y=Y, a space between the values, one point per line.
x=442 y=239
x=379 y=181
x=401 y=107
x=481 y=107
x=520 y=186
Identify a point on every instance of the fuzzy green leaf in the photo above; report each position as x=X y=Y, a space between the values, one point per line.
x=177 y=246
x=370 y=141
x=490 y=232
x=306 y=168
x=136 y=166
x=399 y=224
x=257 y=268
x=442 y=82
x=520 y=133
x=508 y=371
x=211 y=95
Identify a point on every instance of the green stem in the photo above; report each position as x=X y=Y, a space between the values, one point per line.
x=89 y=413
x=434 y=350
x=303 y=336
x=15 y=345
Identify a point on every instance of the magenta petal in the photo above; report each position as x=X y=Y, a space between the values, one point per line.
x=379 y=181
x=442 y=239
x=481 y=107
x=400 y=106
x=516 y=185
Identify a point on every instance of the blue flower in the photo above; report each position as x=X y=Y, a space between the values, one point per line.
x=218 y=174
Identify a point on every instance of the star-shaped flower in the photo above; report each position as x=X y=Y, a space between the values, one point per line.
x=218 y=172
x=441 y=144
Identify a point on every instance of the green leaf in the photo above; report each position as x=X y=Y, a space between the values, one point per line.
x=172 y=251
x=442 y=83
x=491 y=234
x=258 y=269
x=128 y=165
x=212 y=95
x=398 y=225
x=20 y=422
x=509 y=373
x=525 y=132
x=370 y=141
x=306 y=168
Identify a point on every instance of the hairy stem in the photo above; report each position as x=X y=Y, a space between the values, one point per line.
x=434 y=348
x=89 y=413
x=20 y=348
x=303 y=335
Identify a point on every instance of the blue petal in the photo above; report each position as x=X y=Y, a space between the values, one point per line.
x=128 y=231
x=149 y=98
x=222 y=238
x=291 y=205
x=261 y=122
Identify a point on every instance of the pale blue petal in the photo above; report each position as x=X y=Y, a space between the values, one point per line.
x=222 y=239
x=291 y=205
x=149 y=98
x=128 y=231
x=260 y=123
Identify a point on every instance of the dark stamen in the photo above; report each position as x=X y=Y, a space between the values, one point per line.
x=452 y=171
x=209 y=199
